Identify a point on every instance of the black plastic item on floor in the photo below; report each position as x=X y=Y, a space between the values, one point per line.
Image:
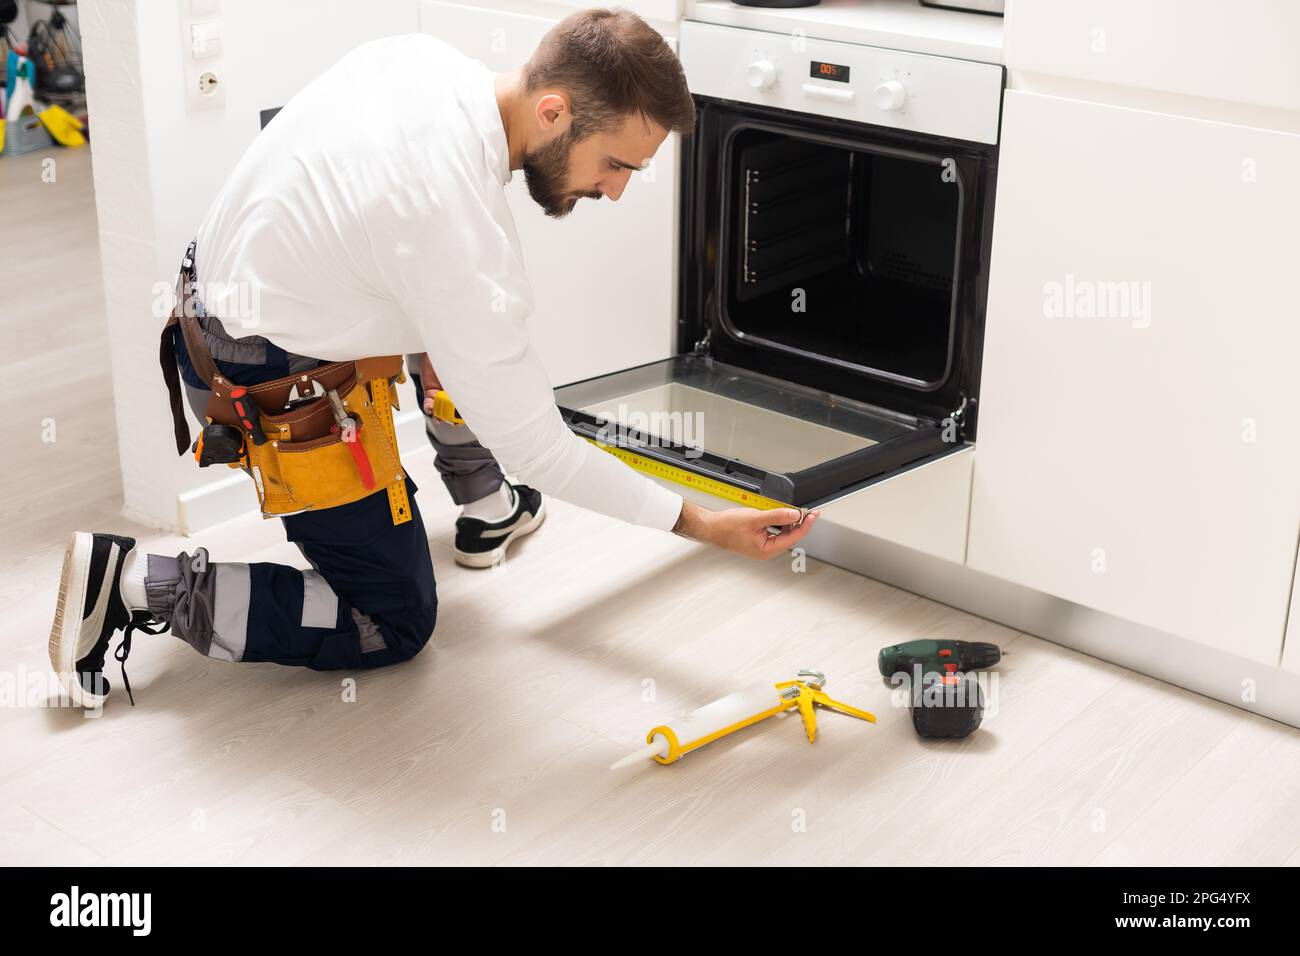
x=949 y=706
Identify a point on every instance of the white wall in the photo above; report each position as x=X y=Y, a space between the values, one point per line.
x=157 y=167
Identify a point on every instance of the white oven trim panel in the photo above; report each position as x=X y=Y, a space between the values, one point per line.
x=937 y=95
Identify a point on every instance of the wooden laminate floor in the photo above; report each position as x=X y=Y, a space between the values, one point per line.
x=492 y=745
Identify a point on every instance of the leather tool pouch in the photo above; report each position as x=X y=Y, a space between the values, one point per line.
x=305 y=463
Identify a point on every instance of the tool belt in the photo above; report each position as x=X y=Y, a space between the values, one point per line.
x=318 y=439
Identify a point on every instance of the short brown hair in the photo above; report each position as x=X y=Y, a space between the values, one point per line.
x=612 y=64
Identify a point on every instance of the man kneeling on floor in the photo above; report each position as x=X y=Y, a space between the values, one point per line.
x=385 y=235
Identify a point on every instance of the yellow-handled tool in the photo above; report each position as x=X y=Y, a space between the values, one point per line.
x=444 y=409
x=668 y=743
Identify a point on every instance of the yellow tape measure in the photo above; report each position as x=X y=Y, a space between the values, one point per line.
x=399 y=504
x=681 y=476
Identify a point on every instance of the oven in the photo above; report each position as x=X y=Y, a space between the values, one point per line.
x=836 y=216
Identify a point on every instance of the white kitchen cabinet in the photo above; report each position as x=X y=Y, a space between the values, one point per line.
x=1143 y=460
x=604 y=278
x=666 y=10
x=1291 y=649
x=1243 y=51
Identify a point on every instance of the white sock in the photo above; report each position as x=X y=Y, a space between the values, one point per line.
x=132 y=583
x=494 y=507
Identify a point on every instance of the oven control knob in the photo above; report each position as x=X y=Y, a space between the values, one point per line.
x=890 y=95
x=761 y=74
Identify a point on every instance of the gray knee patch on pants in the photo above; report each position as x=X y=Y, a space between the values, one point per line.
x=206 y=604
x=467 y=468
x=372 y=639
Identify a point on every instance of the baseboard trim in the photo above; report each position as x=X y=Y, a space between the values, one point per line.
x=1201 y=668
x=230 y=495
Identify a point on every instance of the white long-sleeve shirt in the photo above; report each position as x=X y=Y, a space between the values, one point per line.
x=370 y=218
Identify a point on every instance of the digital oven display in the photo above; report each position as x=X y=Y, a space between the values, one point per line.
x=828 y=71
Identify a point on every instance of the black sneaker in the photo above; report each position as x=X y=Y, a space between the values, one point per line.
x=482 y=544
x=90 y=609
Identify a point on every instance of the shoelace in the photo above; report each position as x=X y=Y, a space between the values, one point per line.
x=124 y=649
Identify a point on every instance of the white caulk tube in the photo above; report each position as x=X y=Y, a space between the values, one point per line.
x=708 y=720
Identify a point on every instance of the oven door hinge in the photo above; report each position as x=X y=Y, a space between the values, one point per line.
x=702 y=346
x=955 y=424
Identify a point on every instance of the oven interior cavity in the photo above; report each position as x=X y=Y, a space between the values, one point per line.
x=843 y=255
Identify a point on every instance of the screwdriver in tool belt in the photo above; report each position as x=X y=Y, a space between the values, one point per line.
x=347 y=427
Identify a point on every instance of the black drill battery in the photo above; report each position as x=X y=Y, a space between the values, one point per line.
x=946 y=697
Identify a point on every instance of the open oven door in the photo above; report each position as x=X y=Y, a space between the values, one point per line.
x=740 y=436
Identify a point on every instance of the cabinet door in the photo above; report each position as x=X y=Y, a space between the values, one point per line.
x=1291 y=648
x=1137 y=451
x=604 y=278
x=664 y=10
x=1242 y=52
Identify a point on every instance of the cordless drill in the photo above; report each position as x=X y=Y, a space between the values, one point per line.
x=946 y=697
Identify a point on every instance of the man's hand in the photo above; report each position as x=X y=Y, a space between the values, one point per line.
x=744 y=530
x=429 y=383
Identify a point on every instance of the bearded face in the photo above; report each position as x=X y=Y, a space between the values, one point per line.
x=547 y=175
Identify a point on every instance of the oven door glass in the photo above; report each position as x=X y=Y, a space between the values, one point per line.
x=755 y=433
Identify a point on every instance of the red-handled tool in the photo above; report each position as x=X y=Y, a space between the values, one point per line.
x=248 y=414
x=346 y=427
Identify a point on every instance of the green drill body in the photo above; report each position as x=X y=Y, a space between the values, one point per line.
x=945 y=701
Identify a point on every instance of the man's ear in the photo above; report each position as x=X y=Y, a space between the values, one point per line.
x=552 y=112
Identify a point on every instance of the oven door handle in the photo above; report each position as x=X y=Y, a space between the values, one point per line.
x=828 y=93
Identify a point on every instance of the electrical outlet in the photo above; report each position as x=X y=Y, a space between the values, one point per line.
x=204 y=90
